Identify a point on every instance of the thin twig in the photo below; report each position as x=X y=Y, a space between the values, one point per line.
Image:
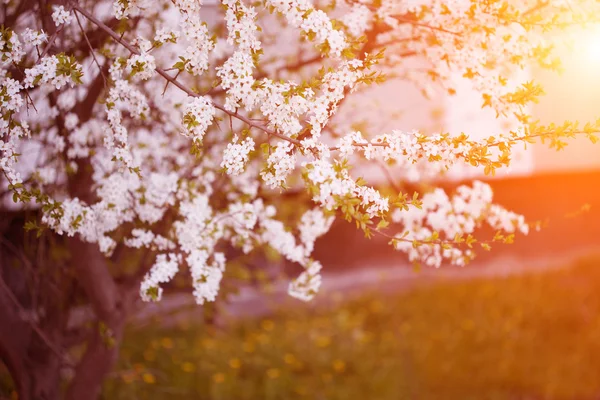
x=51 y=42
x=36 y=328
x=91 y=48
x=389 y=176
x=422 y=25
x=537 y=7
x=26 y=91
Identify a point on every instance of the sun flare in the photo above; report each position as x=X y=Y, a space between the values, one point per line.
x=591 y=45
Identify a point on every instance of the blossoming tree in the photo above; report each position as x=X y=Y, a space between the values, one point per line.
x=165 y=138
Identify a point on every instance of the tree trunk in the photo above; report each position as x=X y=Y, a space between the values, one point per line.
x=14 y=336
x=33 y=364
x=110 y=306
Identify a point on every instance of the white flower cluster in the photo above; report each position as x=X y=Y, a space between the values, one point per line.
x=164 y=269
x=280 y=164
x=164 y=35
x=236 y=155
x=196 y=32
x=347 y=144
x=122 y=97
x=307 y=284
x=206 y=274
x=60 y=16
x=9 y=153
x=71 y=121
x=122 y=197
x=459 y=215
x=46 y=72
x=333 y=87
x=283 y=112
x=358 y=20
x=199 y=231
x=10 y=96
x=280 y=102
x=313 y=224
x=236 y=73
x=197 y=218
x=80 y=141
x=142 y=66
x=11 y=48
x=198 y=113
x=332 y=185
x=241 y=27
x=242 y=218
x=144 y=238
x=127 y=97
x=76 y=218
x=302 y=14
x=156 y=193
x=124 y=8
x=34 y=38
x=197 y=234
x=236 y=78
x=279 y=238
x=463 y=46
x=437 y=152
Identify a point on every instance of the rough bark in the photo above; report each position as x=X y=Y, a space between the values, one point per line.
x=14 y=335
x=110 y=308
x=28 y=346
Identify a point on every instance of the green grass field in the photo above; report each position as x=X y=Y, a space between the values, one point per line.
x=523 y=337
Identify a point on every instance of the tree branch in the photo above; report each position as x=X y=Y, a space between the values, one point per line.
x=175 y=82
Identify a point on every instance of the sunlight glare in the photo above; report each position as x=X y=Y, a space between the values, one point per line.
x=593 y=50
x=591 y=46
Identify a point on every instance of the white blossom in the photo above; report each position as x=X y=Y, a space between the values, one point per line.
x=34 y=38
x=60 y=16
x=141 y=66
x=164 y=269
x=236 y=155
x=198 y=113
